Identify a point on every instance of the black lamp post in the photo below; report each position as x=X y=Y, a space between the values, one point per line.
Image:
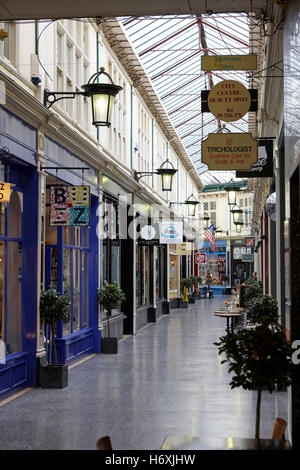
x=102 y=96
x=191 y=202
x=164 y=171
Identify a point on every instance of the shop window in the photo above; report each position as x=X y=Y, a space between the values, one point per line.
x=174 y=276
x=158 y=273
x=14 y=215
x=216 y=263
x=111 y=249
x=11 y=273
x=2 y=288
x=146 y=250
x=142 y=275
x=69 y=271
x=138 y=274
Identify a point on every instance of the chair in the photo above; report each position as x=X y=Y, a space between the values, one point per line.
x=279 y=428
x=104 y=443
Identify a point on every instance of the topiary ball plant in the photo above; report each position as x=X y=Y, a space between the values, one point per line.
x=259 y=358
x=110 y=296
x=53 y=308
x=263 y=310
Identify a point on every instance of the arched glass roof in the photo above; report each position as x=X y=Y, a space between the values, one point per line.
x=170 y=50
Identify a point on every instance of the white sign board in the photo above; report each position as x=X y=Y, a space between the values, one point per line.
x=171 y=232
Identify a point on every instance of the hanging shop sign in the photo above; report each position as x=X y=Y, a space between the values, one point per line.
x=5 y=191
x=171 y=232
x=228 y=62
x=270 y=206
x=229 y=151
x=250 y=241
x=149 y=235
x=70 y=205
x=184 y=249
x=264 y=166
x=200 y=258
x=229 y=100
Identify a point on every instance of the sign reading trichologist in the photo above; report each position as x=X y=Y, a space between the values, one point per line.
x=230 y=151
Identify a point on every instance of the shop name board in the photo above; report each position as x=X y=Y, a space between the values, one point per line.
x=229 y=100
x=70 y=206
x=200 y=258
x=228 y=62
x=184 y=248
x=233 y=151
x=247 y=258
x=171 y=232
x=264 y=166
x=5 y=191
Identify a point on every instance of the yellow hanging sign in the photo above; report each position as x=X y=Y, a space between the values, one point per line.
x=229 y=100
x=229 y=62
x=229 y=151
x=5 y=191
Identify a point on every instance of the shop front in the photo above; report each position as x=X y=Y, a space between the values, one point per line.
x=242 y=261
x=216 y=262
x=18 y=253
x=111 y=254
x=70 y=246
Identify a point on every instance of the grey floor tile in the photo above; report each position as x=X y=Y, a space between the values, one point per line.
x=166 y=380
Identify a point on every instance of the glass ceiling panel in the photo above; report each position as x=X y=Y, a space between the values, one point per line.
x=170 y=49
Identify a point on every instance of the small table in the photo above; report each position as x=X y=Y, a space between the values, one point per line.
x=232 y=314
x=226 y=443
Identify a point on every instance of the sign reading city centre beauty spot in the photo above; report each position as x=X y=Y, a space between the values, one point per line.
x=230 y=151
x=229 y=100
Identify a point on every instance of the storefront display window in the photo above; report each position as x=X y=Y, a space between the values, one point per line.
x=174 y=276
x=215 y=262
x=11 y=273
x=72 y=272
x=142 y=275
x=159 y=273
x=111 y=250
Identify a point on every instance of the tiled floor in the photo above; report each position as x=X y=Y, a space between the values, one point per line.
x=166 y=380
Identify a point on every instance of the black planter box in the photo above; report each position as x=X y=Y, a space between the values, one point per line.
x=191 y=300
x=109 y=345
x=53 y=376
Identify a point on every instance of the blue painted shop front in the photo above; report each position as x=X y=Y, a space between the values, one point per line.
x=71 y=259
x=19 y=258
x=18 y=253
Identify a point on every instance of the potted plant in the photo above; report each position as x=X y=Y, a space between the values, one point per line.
x=253 y=289
x=224 y=278
x=185 y=283
x=193 y=280
x=54 y=307
x=262 y=310
x=260 y=358
x=110 y=296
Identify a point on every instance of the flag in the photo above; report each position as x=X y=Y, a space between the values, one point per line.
x=210 y=235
